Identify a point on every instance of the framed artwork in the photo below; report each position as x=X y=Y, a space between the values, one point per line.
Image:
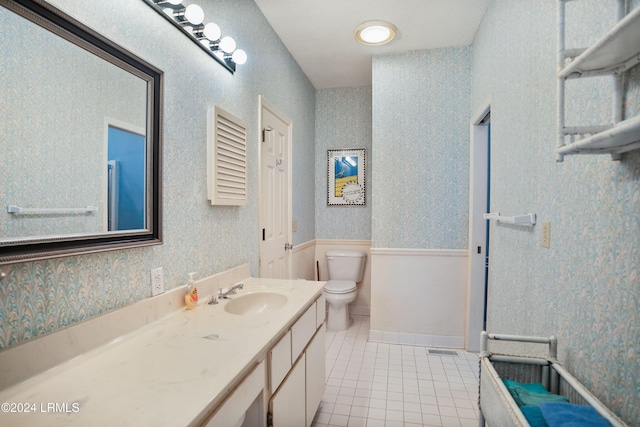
x=345 y=177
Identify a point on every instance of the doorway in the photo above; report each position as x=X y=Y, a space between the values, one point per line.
x=479 y=228
x=126 y=178
x=275 y=193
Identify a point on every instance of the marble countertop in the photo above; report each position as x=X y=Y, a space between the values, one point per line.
x=174 y=371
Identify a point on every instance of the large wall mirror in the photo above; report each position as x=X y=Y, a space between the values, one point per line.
x=79 y=138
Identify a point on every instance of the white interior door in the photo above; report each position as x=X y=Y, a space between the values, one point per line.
x=275 y=193
x=478 y=227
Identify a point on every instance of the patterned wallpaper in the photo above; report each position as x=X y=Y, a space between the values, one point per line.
x=585 y=289
x=421 y=147
x=41 y=297
x=343 y=120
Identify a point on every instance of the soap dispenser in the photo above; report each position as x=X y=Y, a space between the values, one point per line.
x=191 y=297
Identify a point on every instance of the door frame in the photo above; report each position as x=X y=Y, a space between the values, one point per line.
x=264 y=104
x=478 y=231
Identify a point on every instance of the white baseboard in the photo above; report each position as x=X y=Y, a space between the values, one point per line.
x=419 y=340
x=360 y=310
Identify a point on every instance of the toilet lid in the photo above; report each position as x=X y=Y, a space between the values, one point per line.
x=340 y=286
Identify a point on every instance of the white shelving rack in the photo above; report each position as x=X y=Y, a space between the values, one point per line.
x=613 y=54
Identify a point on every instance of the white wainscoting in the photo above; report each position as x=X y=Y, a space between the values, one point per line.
x=419 y=296
x=304 y=261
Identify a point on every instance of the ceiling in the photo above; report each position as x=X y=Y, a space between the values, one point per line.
x=319 y=34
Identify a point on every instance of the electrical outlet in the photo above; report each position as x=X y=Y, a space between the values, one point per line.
x=546 y=234
x=157 y=282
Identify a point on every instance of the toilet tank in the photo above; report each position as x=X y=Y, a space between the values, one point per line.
x=346 y=265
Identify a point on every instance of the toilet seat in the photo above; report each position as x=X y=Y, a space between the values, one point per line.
x=339 y=286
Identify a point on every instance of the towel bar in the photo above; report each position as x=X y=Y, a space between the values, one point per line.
x=528 y=219
x=13 y=209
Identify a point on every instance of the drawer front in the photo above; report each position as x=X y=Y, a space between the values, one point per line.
x=302 y=331
x=280 y=358
x=321 y=310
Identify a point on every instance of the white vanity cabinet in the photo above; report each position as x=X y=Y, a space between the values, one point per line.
x=296 y=393
x=240 y=366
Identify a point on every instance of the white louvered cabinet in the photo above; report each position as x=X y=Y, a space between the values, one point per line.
x=226 y=158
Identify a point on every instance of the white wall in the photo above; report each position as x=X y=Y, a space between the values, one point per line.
x=421 y=112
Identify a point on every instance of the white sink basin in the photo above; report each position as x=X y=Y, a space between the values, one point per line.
x=255 y=303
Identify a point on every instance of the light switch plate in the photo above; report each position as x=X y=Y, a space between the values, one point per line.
x=546 y=234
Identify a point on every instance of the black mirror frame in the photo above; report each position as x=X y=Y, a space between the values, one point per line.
x=28 y=249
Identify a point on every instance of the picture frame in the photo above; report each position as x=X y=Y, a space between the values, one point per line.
x=346 y=185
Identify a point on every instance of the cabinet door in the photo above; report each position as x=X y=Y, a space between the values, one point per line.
x=315 y=358
x=321 y=310
x=288 y=404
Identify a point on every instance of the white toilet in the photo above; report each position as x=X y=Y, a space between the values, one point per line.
x=345 y=271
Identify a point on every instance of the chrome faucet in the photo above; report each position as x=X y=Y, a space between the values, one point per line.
x=230 y=291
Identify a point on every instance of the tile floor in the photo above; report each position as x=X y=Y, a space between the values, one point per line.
x=388 y=385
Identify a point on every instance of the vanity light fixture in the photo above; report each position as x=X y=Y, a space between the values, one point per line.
x=193 y=14
x=375 y=33
x=189 y=19
x=239 y=56
x=212 y=31
x=227 y=44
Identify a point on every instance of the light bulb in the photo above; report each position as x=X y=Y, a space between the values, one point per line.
x=375 y=34
x=194 y=14
x=227 y=44
x=212 y=31
x=239 y=56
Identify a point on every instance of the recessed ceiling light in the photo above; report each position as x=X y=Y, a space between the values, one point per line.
x=375 y=33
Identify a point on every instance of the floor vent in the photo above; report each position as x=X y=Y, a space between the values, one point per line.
x=443 y=352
